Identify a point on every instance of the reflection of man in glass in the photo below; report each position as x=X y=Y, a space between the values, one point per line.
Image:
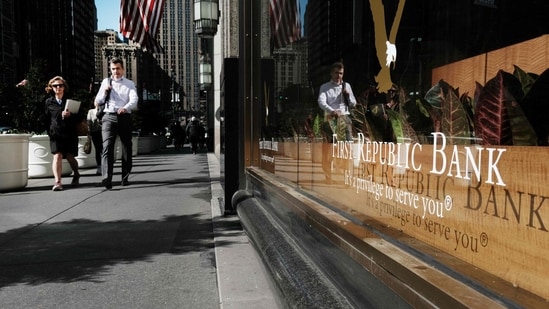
x=392 y=98
x=335 y=97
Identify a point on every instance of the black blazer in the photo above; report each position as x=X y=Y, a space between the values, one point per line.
x=59 y=127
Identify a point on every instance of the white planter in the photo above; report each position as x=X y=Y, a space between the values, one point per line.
x=118 y=146
x=162 y=142
x=40 y=158
x=85 y=160
x=145 y=144
x=14 y=164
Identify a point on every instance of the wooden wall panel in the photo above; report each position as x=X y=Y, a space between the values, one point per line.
x=462 y=74
x=531 y=56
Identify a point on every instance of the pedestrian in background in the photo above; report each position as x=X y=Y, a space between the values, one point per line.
x=178 y=135
x=62 y=131
x=117 y=121
x=94 y=133
x=193 y=131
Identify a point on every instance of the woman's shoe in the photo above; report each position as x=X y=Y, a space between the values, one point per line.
x=57 y=187
x=75 y=179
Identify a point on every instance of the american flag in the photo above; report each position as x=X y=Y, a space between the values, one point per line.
x=140 y=22
x=285 y=22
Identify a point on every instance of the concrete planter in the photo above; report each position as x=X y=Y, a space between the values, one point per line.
x=145 y=144
x=148 y=144
x=85 y=160
x=304 y=151
x=290 y=148
x=40 y=158
x=14 y=164
x=316 y=151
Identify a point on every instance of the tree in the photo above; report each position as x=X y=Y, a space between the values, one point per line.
x=27 y=111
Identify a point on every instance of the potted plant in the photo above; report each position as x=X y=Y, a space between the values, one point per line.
x=316 y=146
x=13 y=144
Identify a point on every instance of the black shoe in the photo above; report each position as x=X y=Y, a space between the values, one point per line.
x=106 y=183
x=75 y=179
x=125 y=181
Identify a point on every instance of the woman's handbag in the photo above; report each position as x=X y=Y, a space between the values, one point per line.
x=88 y=146
x=82 y=128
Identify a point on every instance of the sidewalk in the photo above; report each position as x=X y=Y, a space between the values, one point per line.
x=159 y=243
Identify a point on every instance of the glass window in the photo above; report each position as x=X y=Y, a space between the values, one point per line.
x=428 y=116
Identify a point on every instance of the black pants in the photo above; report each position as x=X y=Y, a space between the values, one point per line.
x=193 y=138
x=112 y=126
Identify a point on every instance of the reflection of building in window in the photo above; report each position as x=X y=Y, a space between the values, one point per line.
x=291 y=65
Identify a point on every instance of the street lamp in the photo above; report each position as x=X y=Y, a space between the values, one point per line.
x=205 y=74
x=206 y=17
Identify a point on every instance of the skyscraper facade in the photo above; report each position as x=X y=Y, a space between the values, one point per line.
x=180 y=57
x=101 y=39
x=61 y=34
x=8 y=46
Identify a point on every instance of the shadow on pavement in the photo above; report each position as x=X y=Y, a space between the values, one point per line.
x=85 y=250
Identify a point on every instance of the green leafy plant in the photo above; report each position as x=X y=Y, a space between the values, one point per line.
x=28 y=112
x=511 y=109
x=317 y=126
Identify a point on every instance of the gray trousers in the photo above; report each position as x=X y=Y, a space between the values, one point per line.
x=114 y=125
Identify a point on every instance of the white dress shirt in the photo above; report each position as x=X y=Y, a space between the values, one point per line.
x=123 y=95
x=330 y=98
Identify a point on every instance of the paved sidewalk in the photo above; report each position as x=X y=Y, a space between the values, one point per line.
x=159 y=243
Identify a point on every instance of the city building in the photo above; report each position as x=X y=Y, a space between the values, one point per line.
x=291 y=65
x=8 y=44
x=64 y=40
x=180 y=57
x=103 y=38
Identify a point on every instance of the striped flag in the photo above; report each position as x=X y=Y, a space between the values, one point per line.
x=140 y=22
x=285 y=22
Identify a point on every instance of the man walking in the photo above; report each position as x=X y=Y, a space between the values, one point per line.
x=120 y=98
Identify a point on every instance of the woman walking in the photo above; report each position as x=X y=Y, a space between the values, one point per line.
x=62 y=131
